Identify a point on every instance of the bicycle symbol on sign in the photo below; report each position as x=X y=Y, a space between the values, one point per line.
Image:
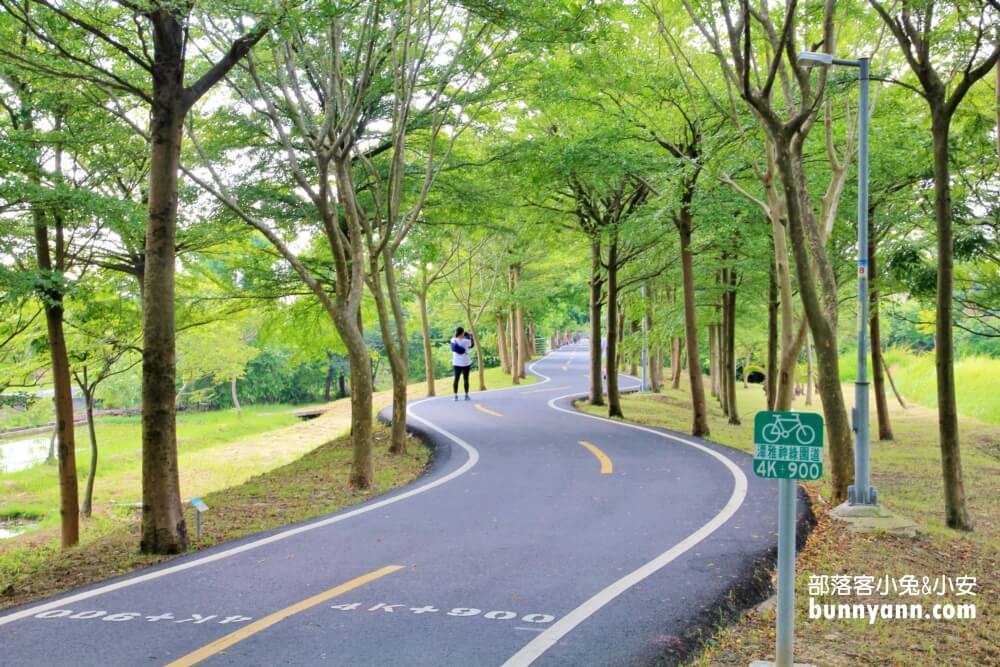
x=784 y=426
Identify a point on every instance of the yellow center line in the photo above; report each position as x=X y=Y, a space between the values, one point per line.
x=488 y=411
x=232 y=638
x=539 y=391
x=606 y=466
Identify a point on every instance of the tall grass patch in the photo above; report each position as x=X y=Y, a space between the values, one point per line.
x=976 y=380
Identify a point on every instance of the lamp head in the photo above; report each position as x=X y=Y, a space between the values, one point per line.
x=810 y=58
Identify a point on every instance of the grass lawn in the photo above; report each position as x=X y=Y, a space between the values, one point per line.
x=907 y=473
x=916 y=378
x=34 y=492
x=251 y=480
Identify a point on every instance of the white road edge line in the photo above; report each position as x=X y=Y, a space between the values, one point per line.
x=551 y=636
x=285 y=534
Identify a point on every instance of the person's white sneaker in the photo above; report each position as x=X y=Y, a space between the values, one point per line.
x=456 y=397
x=466 y=398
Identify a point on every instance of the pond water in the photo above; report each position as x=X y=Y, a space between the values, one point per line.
x=6 y=533
x=23 y=452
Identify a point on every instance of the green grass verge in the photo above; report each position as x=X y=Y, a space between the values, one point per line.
x=916 y=379
x=907 y=472
x=35 y=490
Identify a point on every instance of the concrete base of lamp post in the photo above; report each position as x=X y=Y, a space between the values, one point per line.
x=873 y=519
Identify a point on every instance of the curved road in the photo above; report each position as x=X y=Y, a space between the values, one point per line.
x=539 y=536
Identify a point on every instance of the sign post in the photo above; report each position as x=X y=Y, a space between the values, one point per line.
x=200 y=508
x=789 y=448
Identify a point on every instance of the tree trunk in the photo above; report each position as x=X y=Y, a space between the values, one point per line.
x=652 y=375
x=722 y=339
x=720 y=354
x=52 y=300
x=720 y=361
x=875 y=333
x=519 y=326
x=425 y=332
x=401 y=382
x=529 y=345
x=525 y=347
x=820 y=304
x=772 y=339
x=620 y=358
x=51 y=457
x=699 y=413
x=479 y=354
x=614 y=399
x=787 y=371
x=655 y=365
x=791 y=343
x=713 y=365
x=328 y=383
x=361 y=404
x=236 y=398
x=596 y=385
x=397 y=370
x=659 y=367
x=892 y=383
x=88 y=496
x=163 y=527
x=361 y=420
x=515 y=349
x=730 y=351
x=746 y=366
x=956 y=514
x=675 y=362
x=809 y=371
x=341 y=387
x=634 y=330
x=346 y=316
x=717 y=329
x=531 y=338
x=502 y=344
x=50 y=291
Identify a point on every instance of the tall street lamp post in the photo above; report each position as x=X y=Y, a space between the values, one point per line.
x=861 y=492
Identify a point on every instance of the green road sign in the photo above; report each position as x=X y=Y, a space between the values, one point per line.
x=789 y=445
x=788 y=428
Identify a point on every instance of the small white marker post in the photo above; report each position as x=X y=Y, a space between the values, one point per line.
x=789 y=448
x=199 y=507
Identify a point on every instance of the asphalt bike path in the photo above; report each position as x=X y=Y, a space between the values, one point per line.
x=540 y=535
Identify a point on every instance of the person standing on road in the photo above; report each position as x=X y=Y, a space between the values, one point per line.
x=460 y=359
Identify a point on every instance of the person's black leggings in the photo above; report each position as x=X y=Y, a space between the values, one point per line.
x=461 y=371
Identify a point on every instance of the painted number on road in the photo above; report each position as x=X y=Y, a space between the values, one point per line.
x=495 y=615
x=194 y=619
